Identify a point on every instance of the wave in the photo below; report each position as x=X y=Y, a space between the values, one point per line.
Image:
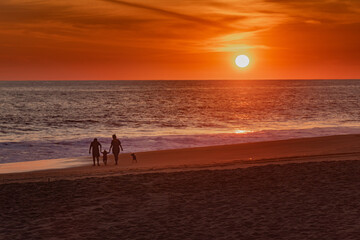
x=52 y=149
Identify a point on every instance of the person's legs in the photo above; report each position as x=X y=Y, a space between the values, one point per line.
x=116 y=157
x=97 y=158
x=94 y=159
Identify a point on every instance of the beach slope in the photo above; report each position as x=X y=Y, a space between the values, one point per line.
x=293 y=189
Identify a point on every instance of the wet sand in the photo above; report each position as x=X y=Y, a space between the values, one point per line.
x=331 y=148
x=292 y=189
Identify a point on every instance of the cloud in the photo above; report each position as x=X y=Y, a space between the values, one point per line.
x=167 y=13
x=161 y=30
x=335 y=11
x=310 y=21
x=13 y=12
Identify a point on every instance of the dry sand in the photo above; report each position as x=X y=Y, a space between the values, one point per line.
x=293 y=189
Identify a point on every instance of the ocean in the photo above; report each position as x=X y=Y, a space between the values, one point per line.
x=58 y=119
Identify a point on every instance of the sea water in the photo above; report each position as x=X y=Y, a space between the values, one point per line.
x=58 y=119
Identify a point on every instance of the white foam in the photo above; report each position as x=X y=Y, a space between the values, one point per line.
x=37 y=150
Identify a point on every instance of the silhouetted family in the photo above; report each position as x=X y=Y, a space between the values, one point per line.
x=116 y=147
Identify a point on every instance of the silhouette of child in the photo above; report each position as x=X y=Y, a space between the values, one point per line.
x=105 y=153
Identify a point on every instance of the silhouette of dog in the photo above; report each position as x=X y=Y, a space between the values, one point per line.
x=134 y=160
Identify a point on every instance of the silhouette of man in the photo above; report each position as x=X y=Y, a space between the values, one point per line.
x=96 y=149
x=116 y=146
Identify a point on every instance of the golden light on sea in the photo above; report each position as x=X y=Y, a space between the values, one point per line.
x=241 y=131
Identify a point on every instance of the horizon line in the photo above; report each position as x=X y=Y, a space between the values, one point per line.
x=266 y=79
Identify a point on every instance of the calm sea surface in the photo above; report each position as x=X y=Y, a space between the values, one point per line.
x=42 y=120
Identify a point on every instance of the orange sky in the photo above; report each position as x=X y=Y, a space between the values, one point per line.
x=188 y=39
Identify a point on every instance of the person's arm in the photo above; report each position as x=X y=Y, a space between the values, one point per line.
x=100 y=147
x=111 y=146
x=121 y=146
x=90 y=148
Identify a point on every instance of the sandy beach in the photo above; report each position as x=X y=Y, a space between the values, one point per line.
x=290 y=189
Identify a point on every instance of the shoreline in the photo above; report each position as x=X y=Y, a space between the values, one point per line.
x=74 y=148
x=316 y=149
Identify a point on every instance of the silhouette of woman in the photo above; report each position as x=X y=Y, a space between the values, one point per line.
x=116 y=146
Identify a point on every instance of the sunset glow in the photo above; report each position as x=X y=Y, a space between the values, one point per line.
x=241 y=131
x=114 y=39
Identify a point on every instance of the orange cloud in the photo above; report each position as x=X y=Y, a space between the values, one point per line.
x=114 y=39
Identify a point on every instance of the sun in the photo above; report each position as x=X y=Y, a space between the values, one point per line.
x=242 y=61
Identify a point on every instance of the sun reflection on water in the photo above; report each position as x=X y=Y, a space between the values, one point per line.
x=241 y=131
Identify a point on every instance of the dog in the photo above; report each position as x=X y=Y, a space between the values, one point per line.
x=134 y=160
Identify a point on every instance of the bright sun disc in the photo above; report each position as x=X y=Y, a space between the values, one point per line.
x=242 y=61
